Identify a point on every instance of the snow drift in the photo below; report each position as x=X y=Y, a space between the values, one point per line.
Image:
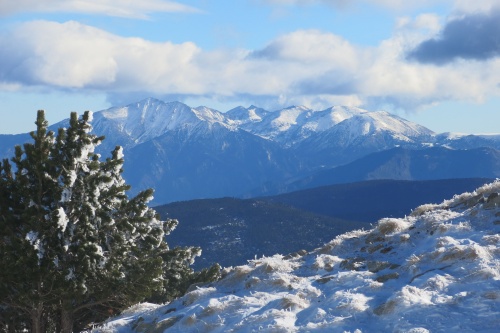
x=437 y=270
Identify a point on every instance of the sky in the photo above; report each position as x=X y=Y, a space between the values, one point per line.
x=435 y=62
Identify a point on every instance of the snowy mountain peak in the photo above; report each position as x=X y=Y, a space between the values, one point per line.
x=211 y=116
x=146 y=119
x=297 y=123
x=341 y=113
x=285 y=119
x=365 y=123
x=241 y=115
x=437 y=270
x=150 y=118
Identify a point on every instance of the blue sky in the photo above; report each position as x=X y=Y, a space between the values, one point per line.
x=436 y=62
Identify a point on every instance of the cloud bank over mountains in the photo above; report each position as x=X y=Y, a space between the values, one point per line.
x=307 y=67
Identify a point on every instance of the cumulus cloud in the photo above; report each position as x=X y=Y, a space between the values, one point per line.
x=472 y=36
x=307 y=67
x=310 y=46
x=74 y=55
x=119 y=8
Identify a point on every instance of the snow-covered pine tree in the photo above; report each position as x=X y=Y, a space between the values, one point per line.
x=75 y=247
x=26 y=279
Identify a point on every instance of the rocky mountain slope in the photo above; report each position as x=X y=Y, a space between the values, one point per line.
x=437 y=270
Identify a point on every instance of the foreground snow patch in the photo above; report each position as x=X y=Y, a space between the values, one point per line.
x=437 y=270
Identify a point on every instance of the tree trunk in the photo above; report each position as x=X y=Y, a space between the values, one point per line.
x=66 y=321
x=11 y=328
x=37 y=320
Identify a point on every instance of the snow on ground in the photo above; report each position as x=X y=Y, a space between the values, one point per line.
x=437 y=270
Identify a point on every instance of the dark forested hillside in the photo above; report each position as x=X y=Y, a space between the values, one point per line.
x=372 y=200
x=230 y=231
x=408 y=164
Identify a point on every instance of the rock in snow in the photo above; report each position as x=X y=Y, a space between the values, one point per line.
x=437 y=270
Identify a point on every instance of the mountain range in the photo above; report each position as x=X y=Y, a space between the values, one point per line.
x=191 y=153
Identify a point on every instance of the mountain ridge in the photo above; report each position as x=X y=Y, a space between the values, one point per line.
x=272 y=123
x=407 y=164
x=271 y=147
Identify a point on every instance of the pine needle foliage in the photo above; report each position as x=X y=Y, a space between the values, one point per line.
x=75 y=248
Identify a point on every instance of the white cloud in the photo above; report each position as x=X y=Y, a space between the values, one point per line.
x=427 y=21
x=119 y=8
x=469 y=6
x=410 y=85
x=304 y=67
x=74 y=55
x=392 y=4
x=310 y=47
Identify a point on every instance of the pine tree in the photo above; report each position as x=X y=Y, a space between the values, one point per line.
x=26 y=279
x=75 y=247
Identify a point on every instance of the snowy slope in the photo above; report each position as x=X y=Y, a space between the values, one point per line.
x=437 y=270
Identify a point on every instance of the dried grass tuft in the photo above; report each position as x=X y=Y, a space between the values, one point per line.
x=463 y=253
x=293 y=302
x=389 y=226
x=190 y=320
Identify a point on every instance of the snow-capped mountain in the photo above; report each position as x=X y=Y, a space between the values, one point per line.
x=437 y=270
x=297 y=123
x=151 y=118
x=242 y=116
x=361 y=134
x=187 y=153
x=148 y=119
